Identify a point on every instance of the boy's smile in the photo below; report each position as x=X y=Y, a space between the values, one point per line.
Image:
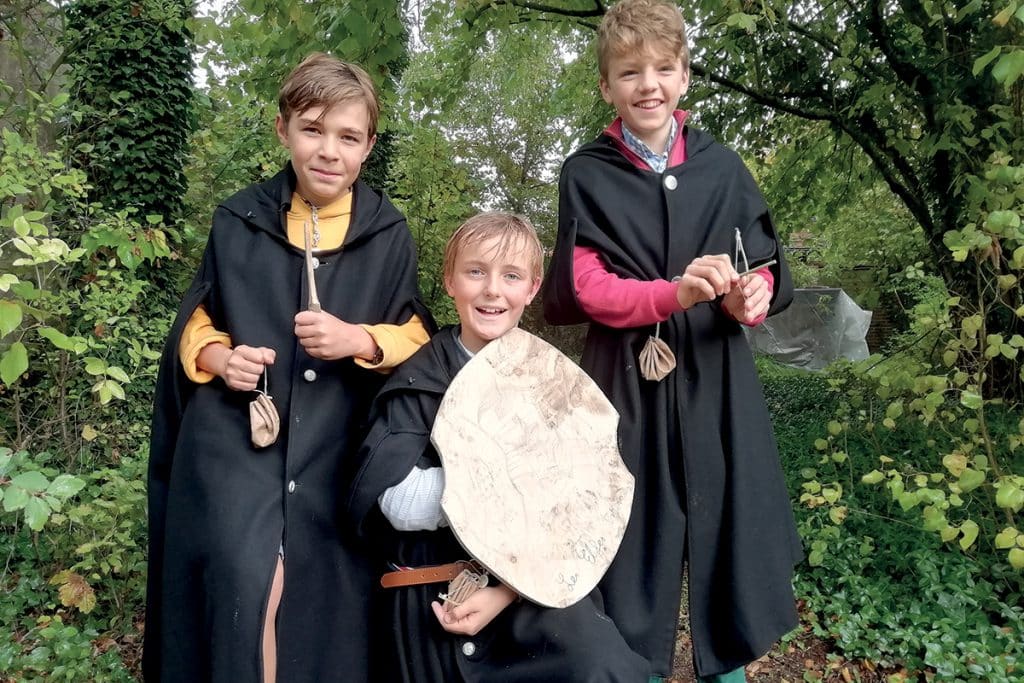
x=327 y=148
x=491 y=289
x=645 y=89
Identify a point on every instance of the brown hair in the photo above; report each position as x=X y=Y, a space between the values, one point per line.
x=513 y=232
x=636 y=26
x=324 y=81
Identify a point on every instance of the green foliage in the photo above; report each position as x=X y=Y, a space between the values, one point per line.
x=890 y=594
x=30 y=491
x=876 y=583
x=436 y=196
x=131 y=65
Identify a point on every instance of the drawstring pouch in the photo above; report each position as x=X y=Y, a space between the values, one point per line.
x=264 y=422
x=656 y=358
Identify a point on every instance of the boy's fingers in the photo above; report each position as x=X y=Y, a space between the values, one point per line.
x=439 y=612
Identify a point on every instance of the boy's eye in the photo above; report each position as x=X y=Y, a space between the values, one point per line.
x=311 y=129
x=513 y=276
x=475 y=272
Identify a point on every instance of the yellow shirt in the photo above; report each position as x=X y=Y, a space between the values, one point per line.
x=398 y=342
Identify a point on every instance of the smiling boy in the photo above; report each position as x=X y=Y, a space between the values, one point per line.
x=649 y=215
x=492 y=268
x=249 y=576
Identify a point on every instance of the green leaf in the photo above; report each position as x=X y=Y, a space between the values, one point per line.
x=13 y=363
x=970 y=480
x=1016 y=558
x=872 y=477
x=10 y=317
x=969 y=534
x=36 y=513
x=15 y=498
x=934 y=519
x=33 y=482
x=970 y=399
x=837 y=514
x=21 y=226
x=1009 y=496
x=981 y=62
x=956 y=463
x=907 y=500
x=95 y=366
x=1009 y=67
x=815 y=557
x=118 y=374
x=1006 y=538
x=834 y=428
x=65 y=486
x=57 y=338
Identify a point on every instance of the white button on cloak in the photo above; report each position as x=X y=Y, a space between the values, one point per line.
x=316 y=263
x=309 y=375
x=468 y=649
x=670 y=182
x=291 y=486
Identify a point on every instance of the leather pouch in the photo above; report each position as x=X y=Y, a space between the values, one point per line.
x=656 y=358
x=264 y=422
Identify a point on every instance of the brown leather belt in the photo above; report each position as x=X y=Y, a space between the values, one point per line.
x=437 y=574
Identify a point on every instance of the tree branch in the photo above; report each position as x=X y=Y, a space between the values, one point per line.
x=597 y=11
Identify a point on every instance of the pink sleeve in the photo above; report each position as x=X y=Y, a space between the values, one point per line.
x=617 y=301
x=770 y=279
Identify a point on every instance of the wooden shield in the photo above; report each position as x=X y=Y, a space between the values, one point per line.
x=535 y=488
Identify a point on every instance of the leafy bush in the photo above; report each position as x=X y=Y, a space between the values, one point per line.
x=877 y=582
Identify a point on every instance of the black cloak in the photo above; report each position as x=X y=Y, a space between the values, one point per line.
x=526 y=642
x=220 y=508
x=709 y=488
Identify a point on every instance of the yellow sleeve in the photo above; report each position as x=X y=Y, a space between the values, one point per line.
x=198 y=333
x=398 y=342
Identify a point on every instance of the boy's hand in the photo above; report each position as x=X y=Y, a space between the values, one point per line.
x=328 y=338
x=241 y=368
x=479 y=609
x=705 y=279
x=749 y=301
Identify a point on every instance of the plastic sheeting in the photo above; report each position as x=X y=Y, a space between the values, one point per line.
x=822 y=324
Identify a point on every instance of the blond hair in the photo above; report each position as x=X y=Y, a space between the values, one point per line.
x=513 y=232
x=321 y=80
x=638 y=26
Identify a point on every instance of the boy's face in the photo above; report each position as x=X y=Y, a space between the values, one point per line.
x=490 y=290
x=645 y=88
x=328 y=148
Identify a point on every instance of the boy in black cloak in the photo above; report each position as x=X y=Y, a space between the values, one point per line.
x=648 y=219
x=492 y=268
x=249 y=576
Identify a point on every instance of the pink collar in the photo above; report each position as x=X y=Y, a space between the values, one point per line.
x=678 y=154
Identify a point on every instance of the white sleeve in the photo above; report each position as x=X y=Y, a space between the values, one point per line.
x=415 y=503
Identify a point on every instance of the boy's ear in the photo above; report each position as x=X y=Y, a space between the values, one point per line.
x=369 y=148
x=282 y=130
x=686 y=83
x=448 y=285
x=533 y=290
x=606 y=93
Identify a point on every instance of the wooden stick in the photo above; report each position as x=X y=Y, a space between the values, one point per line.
x=314 y=301
x=758 y=267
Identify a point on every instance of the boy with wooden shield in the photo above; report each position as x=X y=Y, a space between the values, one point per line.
x=523 y=447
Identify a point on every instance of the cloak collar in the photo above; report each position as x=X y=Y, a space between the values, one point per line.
x=264 y=206
x=428 y=369
x=609 y=146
